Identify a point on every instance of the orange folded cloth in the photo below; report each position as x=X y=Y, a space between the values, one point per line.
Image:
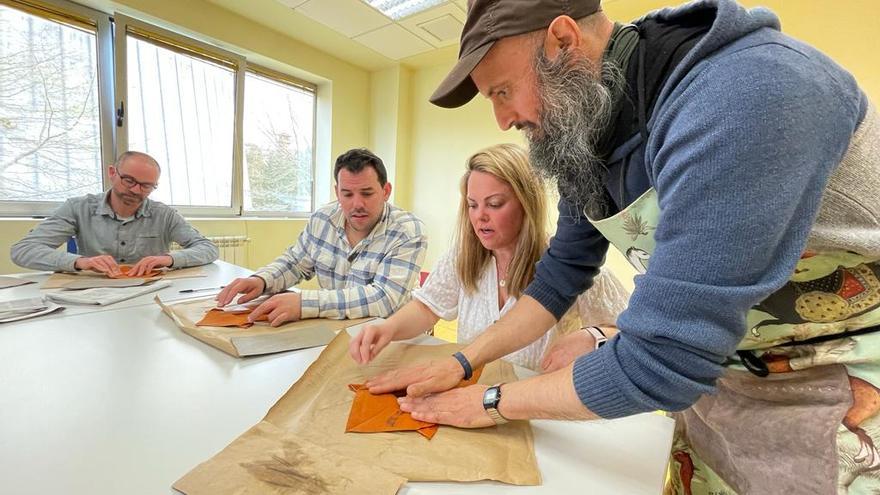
x=124 y=269
x=220 y=318
x=374 y=413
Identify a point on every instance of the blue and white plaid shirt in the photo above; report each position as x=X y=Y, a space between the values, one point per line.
x=372 y=278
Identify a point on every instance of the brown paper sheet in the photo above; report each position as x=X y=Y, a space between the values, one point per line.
x=316 y=409
x=377 y=413
x=191 y=272
x=88 y=279
x=258 y=339
x=267 y=460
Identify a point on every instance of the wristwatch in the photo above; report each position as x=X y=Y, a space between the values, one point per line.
x=491 y=398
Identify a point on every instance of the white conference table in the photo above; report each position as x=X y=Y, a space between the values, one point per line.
x=121 y=401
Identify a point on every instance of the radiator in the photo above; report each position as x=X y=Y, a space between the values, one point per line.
x=233 y=248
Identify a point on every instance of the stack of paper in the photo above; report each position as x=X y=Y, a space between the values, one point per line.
x=6 y=282
x=105 y=295
x=20 y=309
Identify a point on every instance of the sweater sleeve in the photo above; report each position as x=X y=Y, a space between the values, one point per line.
x=739 y=155
x=38 y=250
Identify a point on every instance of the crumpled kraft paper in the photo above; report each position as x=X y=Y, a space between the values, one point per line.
x=256 y=340
x=267 y=460
x=316 y=409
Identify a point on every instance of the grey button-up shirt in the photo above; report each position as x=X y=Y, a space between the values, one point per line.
x=99 y=230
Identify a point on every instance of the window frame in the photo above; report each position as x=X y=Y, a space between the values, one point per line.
x=289 y=80
x=126 y=26
x=112 y=31
x=79 y=17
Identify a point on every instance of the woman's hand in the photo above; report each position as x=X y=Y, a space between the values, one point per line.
x=367 y=344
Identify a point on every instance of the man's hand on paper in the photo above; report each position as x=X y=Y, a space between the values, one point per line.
x=568 y=348
x=251 y=287
x=149 y=263
x=461 y=407
x=279 y=308
x=103 y=264
x=370 y=341
x=420 y=380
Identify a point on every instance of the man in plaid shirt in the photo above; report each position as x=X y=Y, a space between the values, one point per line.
x=366 y=253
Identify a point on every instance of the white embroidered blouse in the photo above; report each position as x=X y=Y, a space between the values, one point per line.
x=445 y=296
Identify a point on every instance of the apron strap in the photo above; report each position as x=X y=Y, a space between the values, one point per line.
x=758 y=367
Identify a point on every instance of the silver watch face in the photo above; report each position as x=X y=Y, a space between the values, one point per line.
x=490 y=398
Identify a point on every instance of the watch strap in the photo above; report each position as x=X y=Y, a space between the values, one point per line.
x=465 y=364
x=598 y=335
x=492 y=407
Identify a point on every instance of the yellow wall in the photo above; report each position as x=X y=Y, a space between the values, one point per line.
x=390 y=127
x=442 y=139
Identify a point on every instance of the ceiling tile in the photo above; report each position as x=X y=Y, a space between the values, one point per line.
x=394 y=42
x=462 y=4
x=349 y=17
x=440 y=26
x=446 y=29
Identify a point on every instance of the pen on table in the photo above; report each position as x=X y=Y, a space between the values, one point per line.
x=185 y=291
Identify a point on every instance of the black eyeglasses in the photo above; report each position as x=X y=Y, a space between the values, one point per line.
x=130 y=182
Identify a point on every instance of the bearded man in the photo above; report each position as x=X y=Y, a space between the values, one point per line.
x=733 y=163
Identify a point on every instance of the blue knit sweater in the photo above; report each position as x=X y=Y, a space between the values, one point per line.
x=743 y=137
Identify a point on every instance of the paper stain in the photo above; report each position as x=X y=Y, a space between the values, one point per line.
x=291 y=471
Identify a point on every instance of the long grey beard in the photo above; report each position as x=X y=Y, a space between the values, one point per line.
x=577 y=102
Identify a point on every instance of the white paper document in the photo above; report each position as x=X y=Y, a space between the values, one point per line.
x=21 y=309
x=105 y=295
x=242 y=307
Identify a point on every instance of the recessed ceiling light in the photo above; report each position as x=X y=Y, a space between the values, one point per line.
x=398 y=9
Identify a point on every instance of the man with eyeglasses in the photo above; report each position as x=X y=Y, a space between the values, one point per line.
x=120 y=226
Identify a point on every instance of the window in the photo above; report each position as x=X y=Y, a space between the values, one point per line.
x=181 y=111
x=278 y=143
x=179 y=104
x=50 y=127
x=230 y=138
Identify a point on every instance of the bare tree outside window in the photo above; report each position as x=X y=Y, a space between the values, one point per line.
x=50 y=143
x=278 y=132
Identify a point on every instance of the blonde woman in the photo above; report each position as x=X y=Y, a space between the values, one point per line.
x=501 y=235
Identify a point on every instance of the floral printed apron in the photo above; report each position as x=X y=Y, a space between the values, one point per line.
x=796 y=409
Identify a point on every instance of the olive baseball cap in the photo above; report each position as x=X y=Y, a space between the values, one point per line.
x=491 y=20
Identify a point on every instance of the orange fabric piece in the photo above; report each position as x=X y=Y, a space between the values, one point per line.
x=124 y=269
x=374 y=413
x=220 y=318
